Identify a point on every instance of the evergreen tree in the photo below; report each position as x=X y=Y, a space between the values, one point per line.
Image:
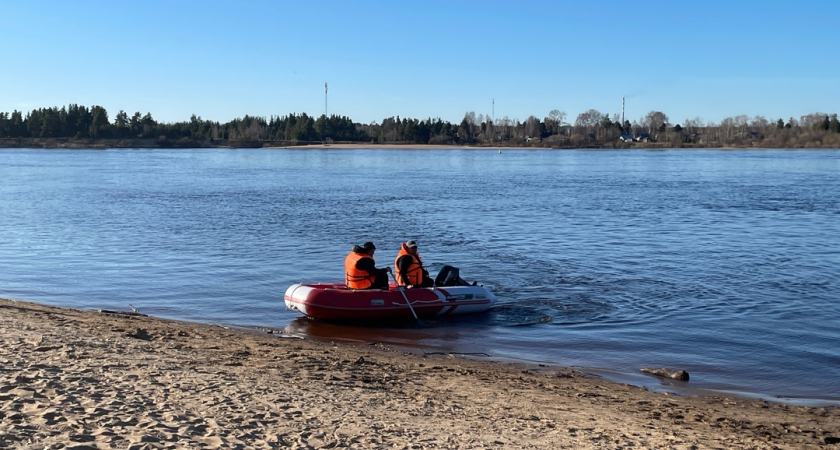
x=83 y=121
x=135 y=125
x=149 y=125
x=5 y=123
x=17 y=125
x=289 y=127
x=99 y=122
x=50 y=123
x=121 y=128
x=34 y=122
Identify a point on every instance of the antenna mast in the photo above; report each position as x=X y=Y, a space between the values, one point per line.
x=325 y=100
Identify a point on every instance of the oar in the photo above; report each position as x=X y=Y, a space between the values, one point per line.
x=400 y=288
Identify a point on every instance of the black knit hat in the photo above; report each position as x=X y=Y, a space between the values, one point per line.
x=368 y=246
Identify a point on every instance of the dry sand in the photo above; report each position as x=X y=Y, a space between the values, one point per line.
x=83 y=379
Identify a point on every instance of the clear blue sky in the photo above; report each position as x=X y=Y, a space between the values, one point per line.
x=221 y=59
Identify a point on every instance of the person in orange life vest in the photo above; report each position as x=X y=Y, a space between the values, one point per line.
x=408 y=268
x=360 y=270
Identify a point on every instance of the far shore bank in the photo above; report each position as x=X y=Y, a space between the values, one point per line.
x=138 y=143
x=108 y=379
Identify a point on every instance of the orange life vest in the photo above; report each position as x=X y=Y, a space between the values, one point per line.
x=353 y=277
x=414 y=275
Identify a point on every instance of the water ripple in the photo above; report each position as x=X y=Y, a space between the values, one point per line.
x=720 y=263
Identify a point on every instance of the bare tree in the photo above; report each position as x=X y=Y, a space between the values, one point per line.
x=555 y=120
x=505 y=125
x=532 y=127
x=654 y=121
x=472 y=123
x=589 y=118
x=726 y=129
x=490 y=129
x=254 y=131
x=759 y=122
x=470 y=118
x=812 y=120
x=694 y=123
x=517 y=130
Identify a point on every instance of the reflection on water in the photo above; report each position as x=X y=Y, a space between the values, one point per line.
x=718 y=263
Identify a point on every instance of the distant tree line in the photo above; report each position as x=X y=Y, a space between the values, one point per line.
x=591 y=128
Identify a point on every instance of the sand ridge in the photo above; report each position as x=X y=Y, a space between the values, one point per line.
x=84 y=379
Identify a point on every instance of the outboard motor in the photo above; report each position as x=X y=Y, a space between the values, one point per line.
x=450 y=276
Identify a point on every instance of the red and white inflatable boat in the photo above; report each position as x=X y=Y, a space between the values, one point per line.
x=337 y=303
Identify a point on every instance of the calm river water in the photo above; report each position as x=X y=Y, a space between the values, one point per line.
x=721 y=263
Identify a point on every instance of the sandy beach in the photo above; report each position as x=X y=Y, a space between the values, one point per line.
x=87 y=379
x=348 y=146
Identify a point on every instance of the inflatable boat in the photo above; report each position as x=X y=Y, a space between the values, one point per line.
x=335 y=302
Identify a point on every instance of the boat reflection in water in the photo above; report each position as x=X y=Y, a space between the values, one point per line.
x=456 y=335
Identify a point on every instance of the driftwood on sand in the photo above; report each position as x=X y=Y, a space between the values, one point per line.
x=663 y=372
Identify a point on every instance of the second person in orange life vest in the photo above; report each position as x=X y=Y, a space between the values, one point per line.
x=408 y=268
x=360 y=270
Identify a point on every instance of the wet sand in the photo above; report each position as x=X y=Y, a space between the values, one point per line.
x=82 y=379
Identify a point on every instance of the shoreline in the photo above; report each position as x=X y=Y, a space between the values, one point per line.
x=186 y=144
x=633 y=377
x=111 y=380
x=407 y=147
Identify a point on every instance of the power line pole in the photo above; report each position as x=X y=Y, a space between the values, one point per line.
x=622 y=111
x=493 y=120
